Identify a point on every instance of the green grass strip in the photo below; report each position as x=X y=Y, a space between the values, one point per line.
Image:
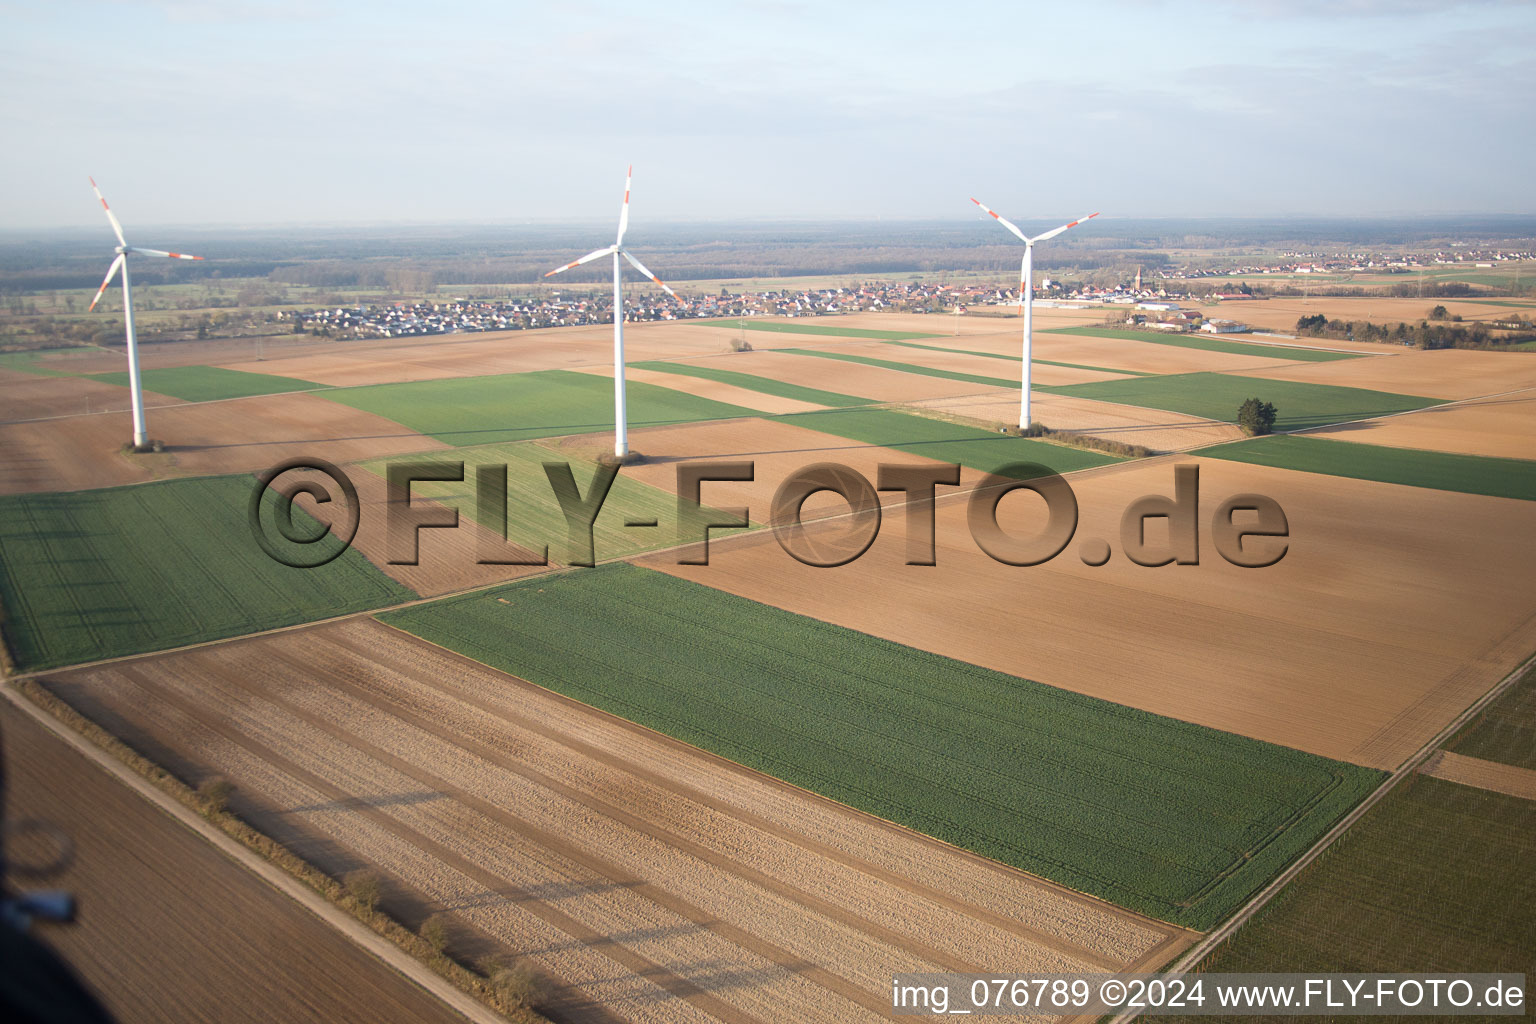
x=1168 y=818
x=1015 y=359
x=1442 y=471
x=1218 y=396
x=86 y=575
x=948 y=442
x=796 y=325
x=1209 y=343
x=525 y=406
x=209 y=383
x=753 y=382
x=926 y=371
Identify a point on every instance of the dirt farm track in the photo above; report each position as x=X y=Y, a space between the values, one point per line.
x=640 y=875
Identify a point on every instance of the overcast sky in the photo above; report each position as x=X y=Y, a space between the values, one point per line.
x=249 y=113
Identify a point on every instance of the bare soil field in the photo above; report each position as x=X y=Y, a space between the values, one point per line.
x=168 y=928
x=1392 y=609
x=1142 y=356
x=714 y=390
x=1440 y=373
x=1151 y=428
x=873 y=382
x=777 y=451
x=1504 y=426
x=1474 y=771
x=207 y=438
x=638 y=874
x=29 y=396
x=961 y=362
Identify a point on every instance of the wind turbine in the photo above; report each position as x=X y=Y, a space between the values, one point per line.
x=620 y=421
x=1027 y=292
x=135 y=390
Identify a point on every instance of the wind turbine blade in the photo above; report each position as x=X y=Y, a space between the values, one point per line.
x=588 y=258
x=116 y=227
x=1005 y=222
x=113 y=269
x=1023 y=284
x=1056 y=231
x=641 y=267
x=624 y=211
x=161 y=252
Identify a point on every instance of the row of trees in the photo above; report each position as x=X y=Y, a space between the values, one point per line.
x=1423 y=335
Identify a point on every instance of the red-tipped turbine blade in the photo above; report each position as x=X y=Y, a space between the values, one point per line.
x=588 y=258
x=624 y=211
x=641 y=267
x=1056 y=231
x=117 y=263
x=162 y=252
x=1005 y=222
x=117 y=228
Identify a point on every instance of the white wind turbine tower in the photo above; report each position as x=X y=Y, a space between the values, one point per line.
x=136 y=392
x=620 y=420
x=1027 y=292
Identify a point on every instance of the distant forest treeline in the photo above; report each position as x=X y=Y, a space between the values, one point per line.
x=410 y=259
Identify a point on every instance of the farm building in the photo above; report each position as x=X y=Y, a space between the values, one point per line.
x=1223 y=327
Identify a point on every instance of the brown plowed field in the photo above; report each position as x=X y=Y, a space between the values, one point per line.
x=1143 y=356
x=1151 y=428
x=236 y=436
x=1504 y=426
x=30 y=396
x=963 y=363
x=1393 y=609
x=1474 y=771
x=170 y=929
x=1441 y=373
x=873 y=382
x=711 y=389
x=640 y=874
x=777 y=451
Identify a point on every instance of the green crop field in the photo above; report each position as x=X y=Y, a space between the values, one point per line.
x=534 y=518
x=891 y=364
x=1444 y=471
x=524 y=406
x=1015 y=359
x=95 y=574
x=946 y=441
x=1209 y=343
x=27 y=362
x=797 y=325
x=1217 y=396
x=209 y=383
x=1505 y=731
x=1167 y=818
x=1435 y=878
x=753 y=382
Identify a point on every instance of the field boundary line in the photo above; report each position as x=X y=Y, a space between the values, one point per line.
x=1200 y=950
x=340 y=922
